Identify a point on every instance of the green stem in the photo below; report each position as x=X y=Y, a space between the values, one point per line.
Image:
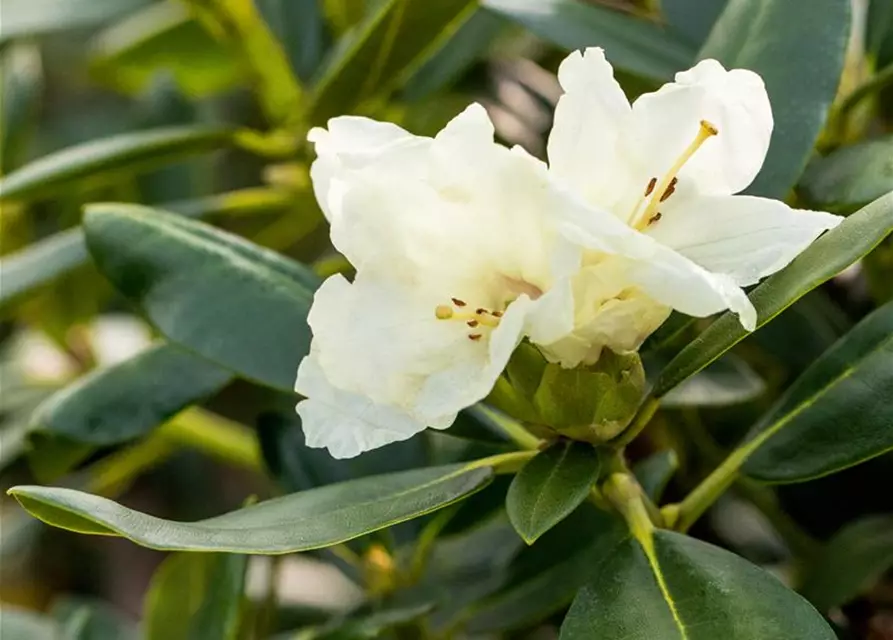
x=221 y=438
x=110 y=476
x=880 y=80
x=686 y=513
x=643 y=417
x=624 y=494
x=504 y=462
x=513 y=429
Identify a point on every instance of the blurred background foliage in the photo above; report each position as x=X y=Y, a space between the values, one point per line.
x=201 y=108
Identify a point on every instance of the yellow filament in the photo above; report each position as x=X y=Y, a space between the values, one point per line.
x=484 y=318
x=706 y=131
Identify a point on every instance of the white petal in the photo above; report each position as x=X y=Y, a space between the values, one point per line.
x=347 y=424
x=665 y=122
x=744 y=237
x=588 y=120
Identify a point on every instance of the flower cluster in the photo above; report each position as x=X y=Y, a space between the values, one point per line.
x=463 y=248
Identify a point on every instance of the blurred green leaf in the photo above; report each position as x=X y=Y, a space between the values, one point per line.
x=655 y=472
x=850 y=177
x=837 y=414
x=21 y=85
x=724 y=382
x=103 y=160
x=369 y=59
x=164 y=38
x=21 y=624
x=237 y=304
x=34 y=17
x=687 y=589
x=86 y=619
x=630 y=43
x=300 y=27
x=58 y=254
x=369 y=627
x=879 y=39
x=196 y=596
x=692 y=19
x=826 y=257
x=850 y=562
x=343 y=14
x=297 y=522
x=800 y=56
x=550 y=487
x=122 y=402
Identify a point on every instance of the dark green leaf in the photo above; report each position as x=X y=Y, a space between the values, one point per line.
x=879 y=36
x=826 y=257
x=550 y=487
x=102 y=159
x=33 y=17
x=837 y=414
x=125 y=401
x=686 y=589
x=655 y=472
x=396 y=35
x=853 y=560
x=850 y=177
x=370 y=627
x=196 y=596
x=756 y=35
x=297 y=522
x=235 y=303
x=21 y=84
x=724 y=382
x=300 y=27
x=692 y=19
x=633 y=44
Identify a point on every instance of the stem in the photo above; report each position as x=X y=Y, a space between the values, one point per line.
x=214 y=435
x=626 y=496
x=643 y=417
x=513 y=429
x=705 y=494
x=110 y=476
x=880 y=80
x=503 y=462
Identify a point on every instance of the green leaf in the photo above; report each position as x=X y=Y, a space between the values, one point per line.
x=196 y=596
x=234 y=303
x=87 y=619
x=164 y=38
x=655 y=472
x=630 y=43
x=685 y=589
x=100 y=160
x=850 y=562
x=850 y=177
x=300 y=27
x=826 y=257
x=372 y=626
x=297 y=522
x=692 y=19
x=21 y=84
x=20 y=624
x=34 y=17
x=724 y=382
x=550 y=487
x=122 y=402
x=369 y=59
x=60 y=253
x=837 y=414
x=759 y=35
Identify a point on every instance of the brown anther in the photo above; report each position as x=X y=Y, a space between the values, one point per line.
x=474 y=336
x=480 y=311
x=650 y=187
x=496 y=314
x=670 y=190
x=457 y=302
x=472 y=323
x=657 y=216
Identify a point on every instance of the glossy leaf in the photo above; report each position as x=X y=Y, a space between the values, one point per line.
x=686 y=589
x=126 y=400
x=825 y=258
x=196 y=596
x=724 y=382
x=851 y=176
x=655 y=472
x=234 y=303
x=34 y=17
x=550 y=487
x=101 y=159
x=757 y=35
x=630 y=43
x=394 y=36
x=164 y=38
x=837 y=414
x=296 y=522
x=60 y=253
x=21 y=84
x=849 y=563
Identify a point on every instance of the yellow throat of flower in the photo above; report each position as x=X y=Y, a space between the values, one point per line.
x=477 y=319
x=660 y=191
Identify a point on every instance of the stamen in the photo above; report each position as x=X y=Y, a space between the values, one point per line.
x=496 y=314
x=480 y=311
x=657 y=216
x=651 y=184
x=474 y=336
x=443 y=312
x=706 y=132
x=472 y=323
x=457 y=302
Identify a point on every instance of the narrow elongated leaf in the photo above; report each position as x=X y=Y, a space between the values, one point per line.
x=655 y=472
x=300 y=26
x=825 y=258
x=33 y=17
x=100 y=159
x=851 y=177
x=56 y=255
x=297 y=522
x=724 y=382
x=685 y=589
x=550 y=487
x=756 y=34
x=394 y=36
x=21 y=84
x=228 y=300
x=853 y=560
x=630 y=43
x=837 y=414
x=196 y=596
x=125 y=401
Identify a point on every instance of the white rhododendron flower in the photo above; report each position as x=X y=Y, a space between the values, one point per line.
x=458 y=259
x=664 y=230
